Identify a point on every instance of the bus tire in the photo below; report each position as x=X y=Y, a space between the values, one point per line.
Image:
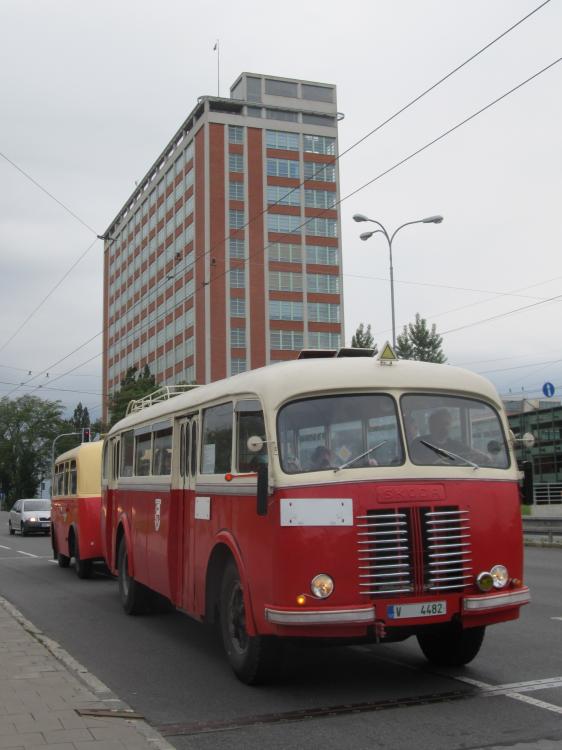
x=63 y=560
x=254 y=659
x=134 y=596
x=453 y=646
x=83 y=568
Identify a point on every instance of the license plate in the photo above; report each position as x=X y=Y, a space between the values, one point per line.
x=423 y=609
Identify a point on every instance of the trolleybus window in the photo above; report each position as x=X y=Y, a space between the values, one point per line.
x=162 y=451
x=217 y=439
x=143 y=454
x=453 y=431
x=128 y=442
x=249 y=417
x=73 y=478
x=349 y=431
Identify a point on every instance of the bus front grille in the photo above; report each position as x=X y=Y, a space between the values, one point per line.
x=413 y=550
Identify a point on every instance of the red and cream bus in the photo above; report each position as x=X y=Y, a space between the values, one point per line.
x=75 y=508
x=322 y=498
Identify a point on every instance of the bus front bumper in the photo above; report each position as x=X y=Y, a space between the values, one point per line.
x=491 y=602
x=304 y=617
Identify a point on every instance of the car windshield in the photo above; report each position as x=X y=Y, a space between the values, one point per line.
x=453 y=431
x=350 y=431
x=35 y=505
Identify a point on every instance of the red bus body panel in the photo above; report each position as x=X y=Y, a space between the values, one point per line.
x=82 y=514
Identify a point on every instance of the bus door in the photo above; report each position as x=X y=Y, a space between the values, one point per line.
x=111 y=471
x=188 y=473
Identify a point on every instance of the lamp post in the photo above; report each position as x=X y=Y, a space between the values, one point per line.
x=389 y=238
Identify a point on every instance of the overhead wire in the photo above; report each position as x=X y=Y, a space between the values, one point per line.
x=355 y=144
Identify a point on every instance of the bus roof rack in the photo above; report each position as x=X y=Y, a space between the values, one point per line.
x=163 y=393
x=347 y=351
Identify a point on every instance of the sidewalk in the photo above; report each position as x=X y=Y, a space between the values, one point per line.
x=43 y=692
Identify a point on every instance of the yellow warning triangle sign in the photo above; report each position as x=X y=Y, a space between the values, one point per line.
x=387 y=354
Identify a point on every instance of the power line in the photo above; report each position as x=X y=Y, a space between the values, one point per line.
x=355 y=144
x=48 y=388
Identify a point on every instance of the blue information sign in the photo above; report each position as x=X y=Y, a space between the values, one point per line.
x=548 y=390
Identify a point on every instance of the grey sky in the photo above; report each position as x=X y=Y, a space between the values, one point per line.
x=91 y=92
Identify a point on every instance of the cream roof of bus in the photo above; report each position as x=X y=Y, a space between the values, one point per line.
x=88 y=462
x=278 y=383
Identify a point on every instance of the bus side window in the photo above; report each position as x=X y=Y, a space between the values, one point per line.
x=193 y=449
x=105 y=461
x=73 y=479
x=66 y=478
x=183 y=452
x=163 y=452
x=250 y=422
x=143 y=454
x=216 y=455
x=127 y=454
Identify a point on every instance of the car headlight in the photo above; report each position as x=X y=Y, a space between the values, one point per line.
x=485 y=581
x=32 y=519
x=322 y=586
x=500 y=575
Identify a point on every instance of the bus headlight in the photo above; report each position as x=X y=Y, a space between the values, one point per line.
x=322 y=586
x=500 y=575
x=484 y=581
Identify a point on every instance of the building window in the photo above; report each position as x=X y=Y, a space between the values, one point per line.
x=285 y=281
x=235 y=219
x=287 y=340
x=322 y=227
x=286 y=115
x=326 y=121
x=238 y=307
x=253 y=89
x=285 y=310
x=235 y=134
x=237 y=366
x=235 y=163
x=281 y=88
x=317 y=93
x=253 y=111
x=320 y=198
x=285 y=252
x=281 y=140
x=323 y=312
x=236 y=248
x=282 y=168
x=323 y=283
x=283 y=224
x=236 y=191
x=283 y=196
x=238 y=337
x=322 y=255
x=320 y=144
x=237 y=278
x=323 y=340
x=319 y=172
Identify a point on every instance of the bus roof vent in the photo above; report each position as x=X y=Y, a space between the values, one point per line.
x=347 y=351
x=162 y=394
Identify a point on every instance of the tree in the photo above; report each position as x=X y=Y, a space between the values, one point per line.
x=418 y=342
x=28 y=426
x=132 y=386
x=81 y=417
x=363 y=338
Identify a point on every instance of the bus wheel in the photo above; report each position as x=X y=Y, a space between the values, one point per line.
x=83 y=568
x=134 y=596
x=63 y=560
x=452 y=646
x=254 y=659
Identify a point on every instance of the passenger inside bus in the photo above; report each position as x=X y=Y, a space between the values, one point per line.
x=322 y=458
x=439 y=436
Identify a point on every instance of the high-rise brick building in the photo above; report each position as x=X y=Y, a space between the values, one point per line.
x=227 y=255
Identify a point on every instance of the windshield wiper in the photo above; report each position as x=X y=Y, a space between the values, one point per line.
x=449 y=454
x=361 y=455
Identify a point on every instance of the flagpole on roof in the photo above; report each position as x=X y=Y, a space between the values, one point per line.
x=216 y=49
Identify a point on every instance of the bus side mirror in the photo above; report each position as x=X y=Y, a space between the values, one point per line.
x=263 y=489
x=526 y=482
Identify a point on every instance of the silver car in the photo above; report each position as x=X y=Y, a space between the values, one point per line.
x=30 y=515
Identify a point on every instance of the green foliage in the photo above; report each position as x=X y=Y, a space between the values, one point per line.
x=81 y=417
x=363 y=338
x=28 y=426
x=132 y=386
x=418 y=342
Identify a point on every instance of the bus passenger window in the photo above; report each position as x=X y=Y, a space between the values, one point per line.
x=163 y=452
x=217 y=440
x=73 y=478
x=193 y=449
x=66 y=478
x=127 y=454
x=143 y=454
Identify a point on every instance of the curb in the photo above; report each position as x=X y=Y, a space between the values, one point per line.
x=96 y=686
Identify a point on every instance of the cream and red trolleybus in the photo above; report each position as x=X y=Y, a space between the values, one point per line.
x=75 y=508
x=322 y=498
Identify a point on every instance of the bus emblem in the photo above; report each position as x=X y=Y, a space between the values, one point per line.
x=157 y=504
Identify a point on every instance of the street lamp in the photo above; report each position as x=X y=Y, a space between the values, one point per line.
x=389 y=238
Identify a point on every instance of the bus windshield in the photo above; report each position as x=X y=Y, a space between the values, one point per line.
x=453 y=431
x=351 y=430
